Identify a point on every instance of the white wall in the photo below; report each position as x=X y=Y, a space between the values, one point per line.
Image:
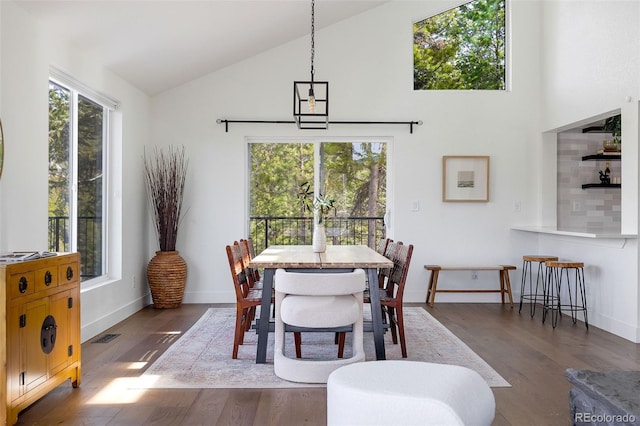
x=368 y=62
x=591 y=67
x=27 y=51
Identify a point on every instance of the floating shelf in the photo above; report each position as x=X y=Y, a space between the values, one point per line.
x=602 y=157
x=601 y=185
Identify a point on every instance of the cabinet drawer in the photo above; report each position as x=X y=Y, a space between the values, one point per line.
x=46 y=278
x=22 y=284
x=68 y=272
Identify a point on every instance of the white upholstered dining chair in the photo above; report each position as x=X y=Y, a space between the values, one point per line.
x=317 y=301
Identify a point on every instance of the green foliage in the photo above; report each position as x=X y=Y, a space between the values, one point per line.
x=614 y=125
x=277 y=171
x=462 y=48
x=90 y=179
x=354 y=174
x=321 y=205
x=59 y=110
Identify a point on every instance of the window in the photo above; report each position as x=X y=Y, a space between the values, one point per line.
x=78 y=138
x=354 y=174
x=462 y=48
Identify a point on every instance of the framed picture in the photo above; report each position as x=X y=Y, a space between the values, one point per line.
x=465 y=178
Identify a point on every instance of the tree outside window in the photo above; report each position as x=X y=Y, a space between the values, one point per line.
x=77 y=138
x=353 y=174
x=462 y=48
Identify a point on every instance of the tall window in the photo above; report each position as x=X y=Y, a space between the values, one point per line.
x=78 y=135
x=462 y=48
x=354 y=174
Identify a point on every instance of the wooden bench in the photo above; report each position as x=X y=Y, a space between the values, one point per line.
x=505 y=284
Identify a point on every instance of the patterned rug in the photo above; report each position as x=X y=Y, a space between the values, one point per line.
x=201 y=358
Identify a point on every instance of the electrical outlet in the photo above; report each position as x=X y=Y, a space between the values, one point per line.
x=133 y=281
x=517 y=206
x=474 y=275
x=576 y=206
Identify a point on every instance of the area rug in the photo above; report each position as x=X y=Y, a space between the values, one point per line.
x=201 y=358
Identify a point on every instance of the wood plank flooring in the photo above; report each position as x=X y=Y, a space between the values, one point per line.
x=530 y=355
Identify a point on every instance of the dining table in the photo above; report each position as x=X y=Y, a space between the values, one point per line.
x=336 y=258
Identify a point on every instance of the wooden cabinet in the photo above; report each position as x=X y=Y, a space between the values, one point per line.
x=40 y=323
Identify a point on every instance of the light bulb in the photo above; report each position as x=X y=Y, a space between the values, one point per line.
x=312 y=104
x=312 y=101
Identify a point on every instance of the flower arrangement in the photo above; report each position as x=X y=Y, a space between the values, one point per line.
x=165 y=175
x=321 y=205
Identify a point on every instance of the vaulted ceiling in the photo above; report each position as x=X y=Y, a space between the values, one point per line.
x=157 y=44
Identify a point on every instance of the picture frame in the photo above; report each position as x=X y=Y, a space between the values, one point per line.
x=465 y=178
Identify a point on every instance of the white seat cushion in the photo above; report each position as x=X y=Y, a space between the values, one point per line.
x=408 y=393
x=319 y=311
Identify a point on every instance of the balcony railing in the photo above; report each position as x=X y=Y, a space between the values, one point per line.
x=264 y=231
x=269 y=230
x=89 y=242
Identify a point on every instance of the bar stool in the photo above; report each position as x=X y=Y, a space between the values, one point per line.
x=541 y=278
x=559 y=272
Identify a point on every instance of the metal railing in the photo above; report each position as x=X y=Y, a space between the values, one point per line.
x=270 y=230
x=89 y=242
x=264 y=231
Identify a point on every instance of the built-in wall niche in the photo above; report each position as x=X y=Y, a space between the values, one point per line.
x=596 y=208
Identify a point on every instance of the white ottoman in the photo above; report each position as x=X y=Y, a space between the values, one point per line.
x=408 y=393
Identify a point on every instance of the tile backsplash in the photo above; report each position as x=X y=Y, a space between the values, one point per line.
x=591 y=209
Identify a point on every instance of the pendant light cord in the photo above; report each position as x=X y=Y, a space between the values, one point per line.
x=313 y=43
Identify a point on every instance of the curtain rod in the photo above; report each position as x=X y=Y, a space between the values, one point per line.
x=227 y=122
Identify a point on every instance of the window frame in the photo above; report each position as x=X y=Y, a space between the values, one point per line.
x=109 y=106
x=316 y=141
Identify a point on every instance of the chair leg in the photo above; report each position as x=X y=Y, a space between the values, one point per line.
x=393 y=324
x=341 y=338
x=400 y=322
x=251 y=314
x=238 y=333
x=297 y=338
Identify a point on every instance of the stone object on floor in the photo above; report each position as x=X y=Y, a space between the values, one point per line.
x=604 y=397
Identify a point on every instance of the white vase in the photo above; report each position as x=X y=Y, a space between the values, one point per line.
x=319 y=239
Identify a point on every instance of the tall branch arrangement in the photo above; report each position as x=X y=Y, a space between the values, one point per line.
x=165 y=175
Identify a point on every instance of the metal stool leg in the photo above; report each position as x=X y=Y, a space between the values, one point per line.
x=557 y=274
x=526 y=271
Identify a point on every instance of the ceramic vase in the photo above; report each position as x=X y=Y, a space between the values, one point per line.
x=319 y=238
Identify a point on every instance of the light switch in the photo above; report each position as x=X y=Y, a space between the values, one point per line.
x=415 y=206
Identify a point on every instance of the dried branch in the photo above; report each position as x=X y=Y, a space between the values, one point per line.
x=165 y=175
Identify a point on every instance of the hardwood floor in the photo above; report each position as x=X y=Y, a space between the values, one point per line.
x=531 y=356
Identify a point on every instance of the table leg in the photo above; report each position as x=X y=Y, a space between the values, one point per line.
x=265 y=309
x=376 y=313
x=433 y=285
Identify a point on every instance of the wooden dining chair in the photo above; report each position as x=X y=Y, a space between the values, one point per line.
x=391 y=299
x=253 y=276
x=247 y=298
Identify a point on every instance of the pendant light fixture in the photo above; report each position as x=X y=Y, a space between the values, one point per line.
x=311 y=98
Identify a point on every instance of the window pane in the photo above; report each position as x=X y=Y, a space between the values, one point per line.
x=59 y=172
x=90 y=185
x=353 y=174
x=76 y=220
x=276 y=172
x=462 y=48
